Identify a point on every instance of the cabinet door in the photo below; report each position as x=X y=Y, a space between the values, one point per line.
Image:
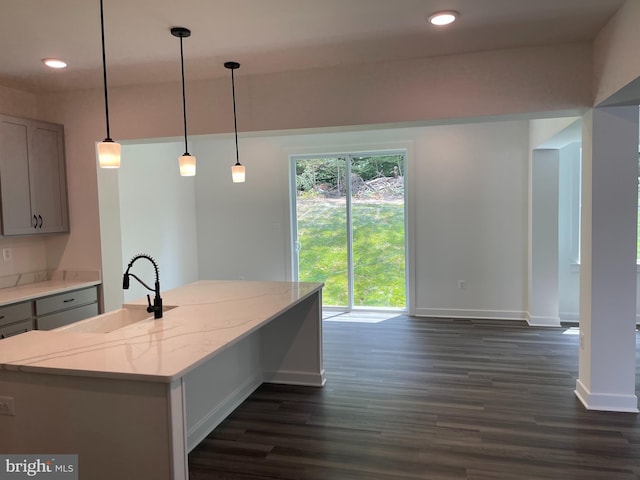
x=60 y=319
x=48 y=177
x=17 y=216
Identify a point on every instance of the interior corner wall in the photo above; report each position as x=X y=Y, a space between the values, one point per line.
x=568 y=232
x=470 y=214
x=543 y=132
x=616 y=62
x=17 y=103
x=543 y=308
x=157 y=216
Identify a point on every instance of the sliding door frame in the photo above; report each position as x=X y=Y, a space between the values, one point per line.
x=408 y=225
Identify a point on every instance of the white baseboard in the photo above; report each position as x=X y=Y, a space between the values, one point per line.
x=537 y=321
x=295 y=378
x=475 y=314
x=604 y=401
x=575 y=317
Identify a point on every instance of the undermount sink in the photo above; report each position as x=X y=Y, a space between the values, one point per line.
x=110 y=321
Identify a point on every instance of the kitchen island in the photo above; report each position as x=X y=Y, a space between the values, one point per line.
x=133 y=401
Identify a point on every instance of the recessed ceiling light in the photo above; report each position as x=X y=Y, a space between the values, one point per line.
x=54 y=62
x=443 y=18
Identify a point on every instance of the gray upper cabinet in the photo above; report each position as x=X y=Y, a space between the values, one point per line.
x=33 y=186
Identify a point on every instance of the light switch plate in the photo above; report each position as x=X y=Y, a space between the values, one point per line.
x=7 y=406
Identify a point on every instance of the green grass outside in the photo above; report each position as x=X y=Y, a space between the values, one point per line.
x=378 y=245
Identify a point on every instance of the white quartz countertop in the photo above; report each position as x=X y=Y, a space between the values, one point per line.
x=210 y=316
x=41 y=289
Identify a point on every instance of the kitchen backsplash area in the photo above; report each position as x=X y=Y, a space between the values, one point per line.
x=22 y=261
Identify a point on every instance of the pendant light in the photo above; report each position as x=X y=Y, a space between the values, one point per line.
x=108 y=150
x=237 y=171
x=186 y=162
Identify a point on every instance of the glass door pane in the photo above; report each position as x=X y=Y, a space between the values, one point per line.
x=321 y=215
x=351 y=234
x=378 y=230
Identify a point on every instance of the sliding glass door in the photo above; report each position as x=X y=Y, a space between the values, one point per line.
x=349 y=228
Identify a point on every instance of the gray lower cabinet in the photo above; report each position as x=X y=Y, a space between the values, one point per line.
x=15 y=319
x=64 y=308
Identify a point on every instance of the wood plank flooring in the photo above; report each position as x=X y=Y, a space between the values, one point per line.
x=413 y=398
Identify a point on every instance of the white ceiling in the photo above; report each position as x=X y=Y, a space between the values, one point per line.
x=265 y=35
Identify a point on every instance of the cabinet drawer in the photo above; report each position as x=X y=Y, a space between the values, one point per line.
x=55 y=320
x=16 y=328
x=14 y=313
x=64 y=301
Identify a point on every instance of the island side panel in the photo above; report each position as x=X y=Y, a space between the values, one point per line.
x=118 y=428
x=218 y=386
x=292 y=345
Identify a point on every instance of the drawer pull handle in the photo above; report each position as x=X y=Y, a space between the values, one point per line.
x=1 y=317
x=69 y=300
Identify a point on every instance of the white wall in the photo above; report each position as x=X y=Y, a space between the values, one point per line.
x=242 y=228
x=467 y=188
x=471 y=220
x=543 y=238
x=568 y=232
x=157 y=216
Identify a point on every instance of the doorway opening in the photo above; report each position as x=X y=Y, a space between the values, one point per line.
x=349 y=228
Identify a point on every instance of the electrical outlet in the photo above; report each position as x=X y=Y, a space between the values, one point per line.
x=7 y=254
x=462 y=284
x=7 y=406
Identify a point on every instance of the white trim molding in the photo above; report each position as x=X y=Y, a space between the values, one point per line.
x=537 y=321
x=472 y=314
x=604 y=401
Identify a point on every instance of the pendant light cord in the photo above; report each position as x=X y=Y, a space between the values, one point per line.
x=184 y=100
x=104 y=73
x=235 y=122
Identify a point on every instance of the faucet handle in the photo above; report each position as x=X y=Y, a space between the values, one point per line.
x=150 y=308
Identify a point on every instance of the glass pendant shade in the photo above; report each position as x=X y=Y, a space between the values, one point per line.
x=187 y=162
x=109 y=154
x=237 y=173
x=187 y=165
x=108 y=150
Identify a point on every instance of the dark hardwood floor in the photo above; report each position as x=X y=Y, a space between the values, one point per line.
x=416 y=398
